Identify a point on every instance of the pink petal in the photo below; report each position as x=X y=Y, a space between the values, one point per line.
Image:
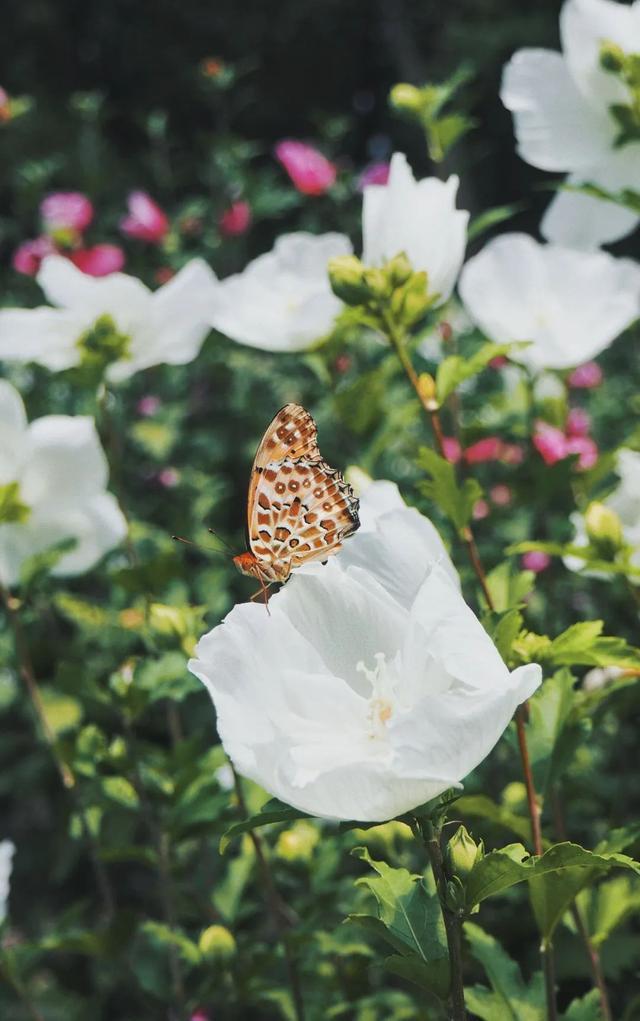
x=310 y=171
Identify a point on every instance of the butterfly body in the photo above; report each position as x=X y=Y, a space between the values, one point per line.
x=300 y=509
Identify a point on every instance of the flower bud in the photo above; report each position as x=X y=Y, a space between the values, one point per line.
x=298 y=842
x=405 y=97
x=462 y=853
x=412 y=302
x=377 y=283
x=217 y=943
x=604 y=529
x=398 y=270
x=427 y=389
x=346 y=275
x=612 y=57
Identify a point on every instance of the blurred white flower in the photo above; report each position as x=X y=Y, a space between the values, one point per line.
x=140 y=327
x=370 y=687
x=7 y=851
x=569 y=304
x=282 y=301
x=53 y=478
x=623 y=501
x=562 y=106
x=418 y=218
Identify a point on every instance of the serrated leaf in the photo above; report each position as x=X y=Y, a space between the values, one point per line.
x=510 y=998
x=587 y=1008
x=454 y=500
x=273 y=811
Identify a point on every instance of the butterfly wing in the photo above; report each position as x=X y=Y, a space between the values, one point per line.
x=291 y=434
x=304 y=510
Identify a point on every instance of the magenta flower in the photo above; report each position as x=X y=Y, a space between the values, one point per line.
x=551 y=443
x=586 y=448
x=99 y=260
x=28 y=256
x=66 y=211
x=146 y=220
x=578 y=422
x=375 y=173
x=236 y=219
x=586 y=376
x=148 y=405
x=169 y=478
x=310 y=171
x=501 y=495
x=451 y=449
x=535 y=561
x=481 y=510
x=488 y=449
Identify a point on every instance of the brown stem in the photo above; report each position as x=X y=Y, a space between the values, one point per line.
x=23 y=655
x=452 y=929
x=281 y=914
x=591 y=951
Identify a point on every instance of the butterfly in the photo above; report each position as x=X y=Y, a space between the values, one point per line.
x=299 y=508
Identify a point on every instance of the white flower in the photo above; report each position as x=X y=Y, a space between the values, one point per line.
x=623 y=501
x=418 y=218
x=7 y=851
x=569 y=304
x=168 y=325
x=53 y=478
x=562 y=103
x=365 y=691
x=282 y=301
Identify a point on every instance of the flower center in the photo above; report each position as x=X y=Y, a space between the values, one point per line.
x=101 y=345
x=381 y=702
x=626 y=67
x=12 y=509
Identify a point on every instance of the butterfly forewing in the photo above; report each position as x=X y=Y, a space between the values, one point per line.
x=300 y=508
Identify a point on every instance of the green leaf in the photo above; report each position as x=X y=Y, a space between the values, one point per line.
x=456 y=501
x=445 y=131
x=12 y=509
x=500 y=870
x=118 y=788
x=408 y=917
x=508 y=586
x=505 y=632
x=587 y=1008
x=272 y=811
x=491 y=218
x=455 y=369
x=166 y=677
x=433 y=976
x=481 y=807
x=549 y=712
x=608 y=905
x=510 y=998
x=62 y=712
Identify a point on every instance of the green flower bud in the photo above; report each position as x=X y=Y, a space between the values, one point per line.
x=217 y=943
x=514 y=796
x=406 y=97
x=298 y=842
x=427 y=388
x=412 y=302
x=454 y=895
x=612 y=57
x=377 y=283
x=462 y=853
x=346 y=275
x=604 y=529
x=398 y=270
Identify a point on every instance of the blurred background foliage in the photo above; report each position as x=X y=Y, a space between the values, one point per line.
x=186 y=101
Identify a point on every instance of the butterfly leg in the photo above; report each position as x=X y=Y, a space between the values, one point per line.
x=263 y=592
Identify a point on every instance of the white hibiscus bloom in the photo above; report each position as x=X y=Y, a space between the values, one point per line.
x=140 y=327
x=418 y=218
x=569 y=304
x=366 y=690
x=7 y=851
x=53 y=479
x=623 y=501
x=562 y=107
x=282 y=301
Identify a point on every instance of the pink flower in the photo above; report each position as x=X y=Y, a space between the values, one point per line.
x=452 y=449
x=99 y=260
x=536 y=561
x=375 y=173
x=488 y=449
x=498 y=362
x=200 y=1015
x=586 y=376
x=236 y=219
x=585 y=447
x=146 y=220
x=5 y=107
x=163 y=275
x=311 y=172
x=578 y=422
x=481 y=510
x=512 y=453
x=28 y=256
x=148 y=405
x=169 y=478
x=551 y=443
x=501 y=495
x=66 y=210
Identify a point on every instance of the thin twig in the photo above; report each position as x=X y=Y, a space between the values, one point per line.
x=281 y=915
x=23 y=655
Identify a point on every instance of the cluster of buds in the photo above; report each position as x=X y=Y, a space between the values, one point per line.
x=604 y=530
x=626 y=67
x=393 y=289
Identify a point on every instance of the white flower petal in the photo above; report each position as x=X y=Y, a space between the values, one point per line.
x=67 y=465
x=47 y=336
x=7 y=851
x=13 y=424
x=583 y=221
x=584 y=26
x=556 y=127
x=123 y=297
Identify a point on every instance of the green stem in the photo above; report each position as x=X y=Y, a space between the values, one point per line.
x=452 y=927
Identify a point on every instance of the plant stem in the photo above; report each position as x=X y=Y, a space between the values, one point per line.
x=591 y=951
x=21 y=993
x=452 y=929
x=281 y=914
x=12 y=606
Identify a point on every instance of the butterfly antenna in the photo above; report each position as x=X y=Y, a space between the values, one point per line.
x=190 y=542
x=223 y=541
